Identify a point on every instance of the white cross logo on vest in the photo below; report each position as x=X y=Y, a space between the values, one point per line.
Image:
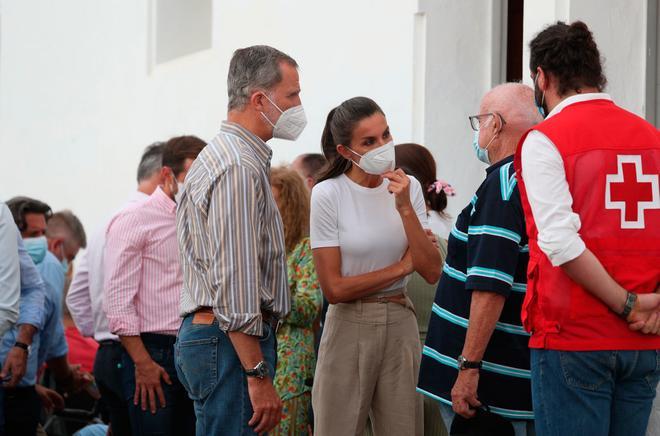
x=631 y=191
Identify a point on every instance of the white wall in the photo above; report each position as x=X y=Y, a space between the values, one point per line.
x=619 y=27
x=78 y=103
x=460 y=36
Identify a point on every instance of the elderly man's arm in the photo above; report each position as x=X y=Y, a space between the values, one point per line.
x=485 y=310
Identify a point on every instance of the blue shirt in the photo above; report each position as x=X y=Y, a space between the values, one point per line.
x=52 y=342
x=31 y=306
x=49 y=342
x=487 y=251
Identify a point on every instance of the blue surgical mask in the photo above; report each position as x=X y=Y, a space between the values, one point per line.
x=482 y=153
x=64 y=261
x=36 y=248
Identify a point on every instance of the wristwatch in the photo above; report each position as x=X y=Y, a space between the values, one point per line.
x=463 y=363
x=629 y=305
x=24 y=346
x=260 y=371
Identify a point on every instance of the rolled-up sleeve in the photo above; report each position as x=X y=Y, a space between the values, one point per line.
x=550 y=199
x=123 y=273
x=10 y=271
x=233 y=255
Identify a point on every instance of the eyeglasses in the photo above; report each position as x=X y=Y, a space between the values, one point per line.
x=476 y=121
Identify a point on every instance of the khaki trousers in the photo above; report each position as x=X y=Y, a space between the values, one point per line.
x=368 y=366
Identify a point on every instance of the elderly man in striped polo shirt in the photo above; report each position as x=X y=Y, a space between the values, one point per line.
x=476 y=349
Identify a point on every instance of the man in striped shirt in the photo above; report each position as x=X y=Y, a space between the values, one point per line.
x=476 y=348
x=233 y=255
x=142 y=283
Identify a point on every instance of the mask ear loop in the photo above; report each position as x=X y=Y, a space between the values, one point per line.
x=496 y=133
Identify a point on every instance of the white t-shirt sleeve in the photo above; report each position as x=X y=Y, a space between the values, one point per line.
x=550 y=199
x=324 y=223
x=417 y=200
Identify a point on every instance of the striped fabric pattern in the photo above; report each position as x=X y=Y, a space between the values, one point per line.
x=230 y=234
x=142 y=274
x=487 y=250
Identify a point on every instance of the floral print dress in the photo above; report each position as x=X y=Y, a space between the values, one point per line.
x=295 y=342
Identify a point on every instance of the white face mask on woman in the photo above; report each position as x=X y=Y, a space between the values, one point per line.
x=377 y=161
x=290 y=124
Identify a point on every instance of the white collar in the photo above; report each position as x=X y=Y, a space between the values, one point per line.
x=578 y=98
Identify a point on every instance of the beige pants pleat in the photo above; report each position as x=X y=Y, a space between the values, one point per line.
x=368 y=366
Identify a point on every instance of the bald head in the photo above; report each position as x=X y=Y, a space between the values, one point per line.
x=515 y=103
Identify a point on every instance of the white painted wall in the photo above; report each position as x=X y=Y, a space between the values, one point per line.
x=78 y=103
x=619 y=27
x=458 y=72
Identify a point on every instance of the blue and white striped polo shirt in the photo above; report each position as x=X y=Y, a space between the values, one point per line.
x=487 y=251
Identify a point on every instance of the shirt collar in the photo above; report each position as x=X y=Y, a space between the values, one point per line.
x=136 y=196
x=163 y=200
x=262 y=150
x=498 y=164
x=578 y=98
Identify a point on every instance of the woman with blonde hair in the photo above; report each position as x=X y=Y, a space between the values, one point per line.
x=295 y=338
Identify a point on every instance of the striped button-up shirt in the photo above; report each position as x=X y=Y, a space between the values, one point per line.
x=142 y=277
x=230 y=234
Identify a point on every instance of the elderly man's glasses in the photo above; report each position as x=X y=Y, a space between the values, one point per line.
x=477 y=121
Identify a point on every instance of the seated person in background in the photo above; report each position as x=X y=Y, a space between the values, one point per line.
x=295 y=338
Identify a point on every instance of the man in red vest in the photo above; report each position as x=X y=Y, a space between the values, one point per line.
x=588 y=178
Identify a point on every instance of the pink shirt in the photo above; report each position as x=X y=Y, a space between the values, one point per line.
x=142 y=271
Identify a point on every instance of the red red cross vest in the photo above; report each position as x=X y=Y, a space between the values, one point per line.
x=612 y=161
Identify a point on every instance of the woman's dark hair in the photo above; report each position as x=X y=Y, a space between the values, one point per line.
x=417 y=161
x=339 y=129
x=570 y=54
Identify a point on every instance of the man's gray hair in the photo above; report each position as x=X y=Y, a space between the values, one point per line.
x=65 y=224
x=151 y=161
x=252 y=68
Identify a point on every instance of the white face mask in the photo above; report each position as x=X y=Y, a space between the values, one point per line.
x=377 y=161
x=290 y=124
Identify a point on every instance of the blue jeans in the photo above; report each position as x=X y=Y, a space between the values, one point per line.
x=178 y=417
x=593 y=392
x=108 y=375
x=210 y=371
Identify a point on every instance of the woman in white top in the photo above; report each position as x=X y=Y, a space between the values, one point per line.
x=367 y=235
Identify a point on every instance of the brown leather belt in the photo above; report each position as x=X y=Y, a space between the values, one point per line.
x=383 y=299
x=204 y=315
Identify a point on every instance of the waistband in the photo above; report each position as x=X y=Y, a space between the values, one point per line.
x=109 y=343
x=158 y=340
x=267 y=317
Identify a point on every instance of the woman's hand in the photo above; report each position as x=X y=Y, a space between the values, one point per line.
x=407 y=263
x=399 y=186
